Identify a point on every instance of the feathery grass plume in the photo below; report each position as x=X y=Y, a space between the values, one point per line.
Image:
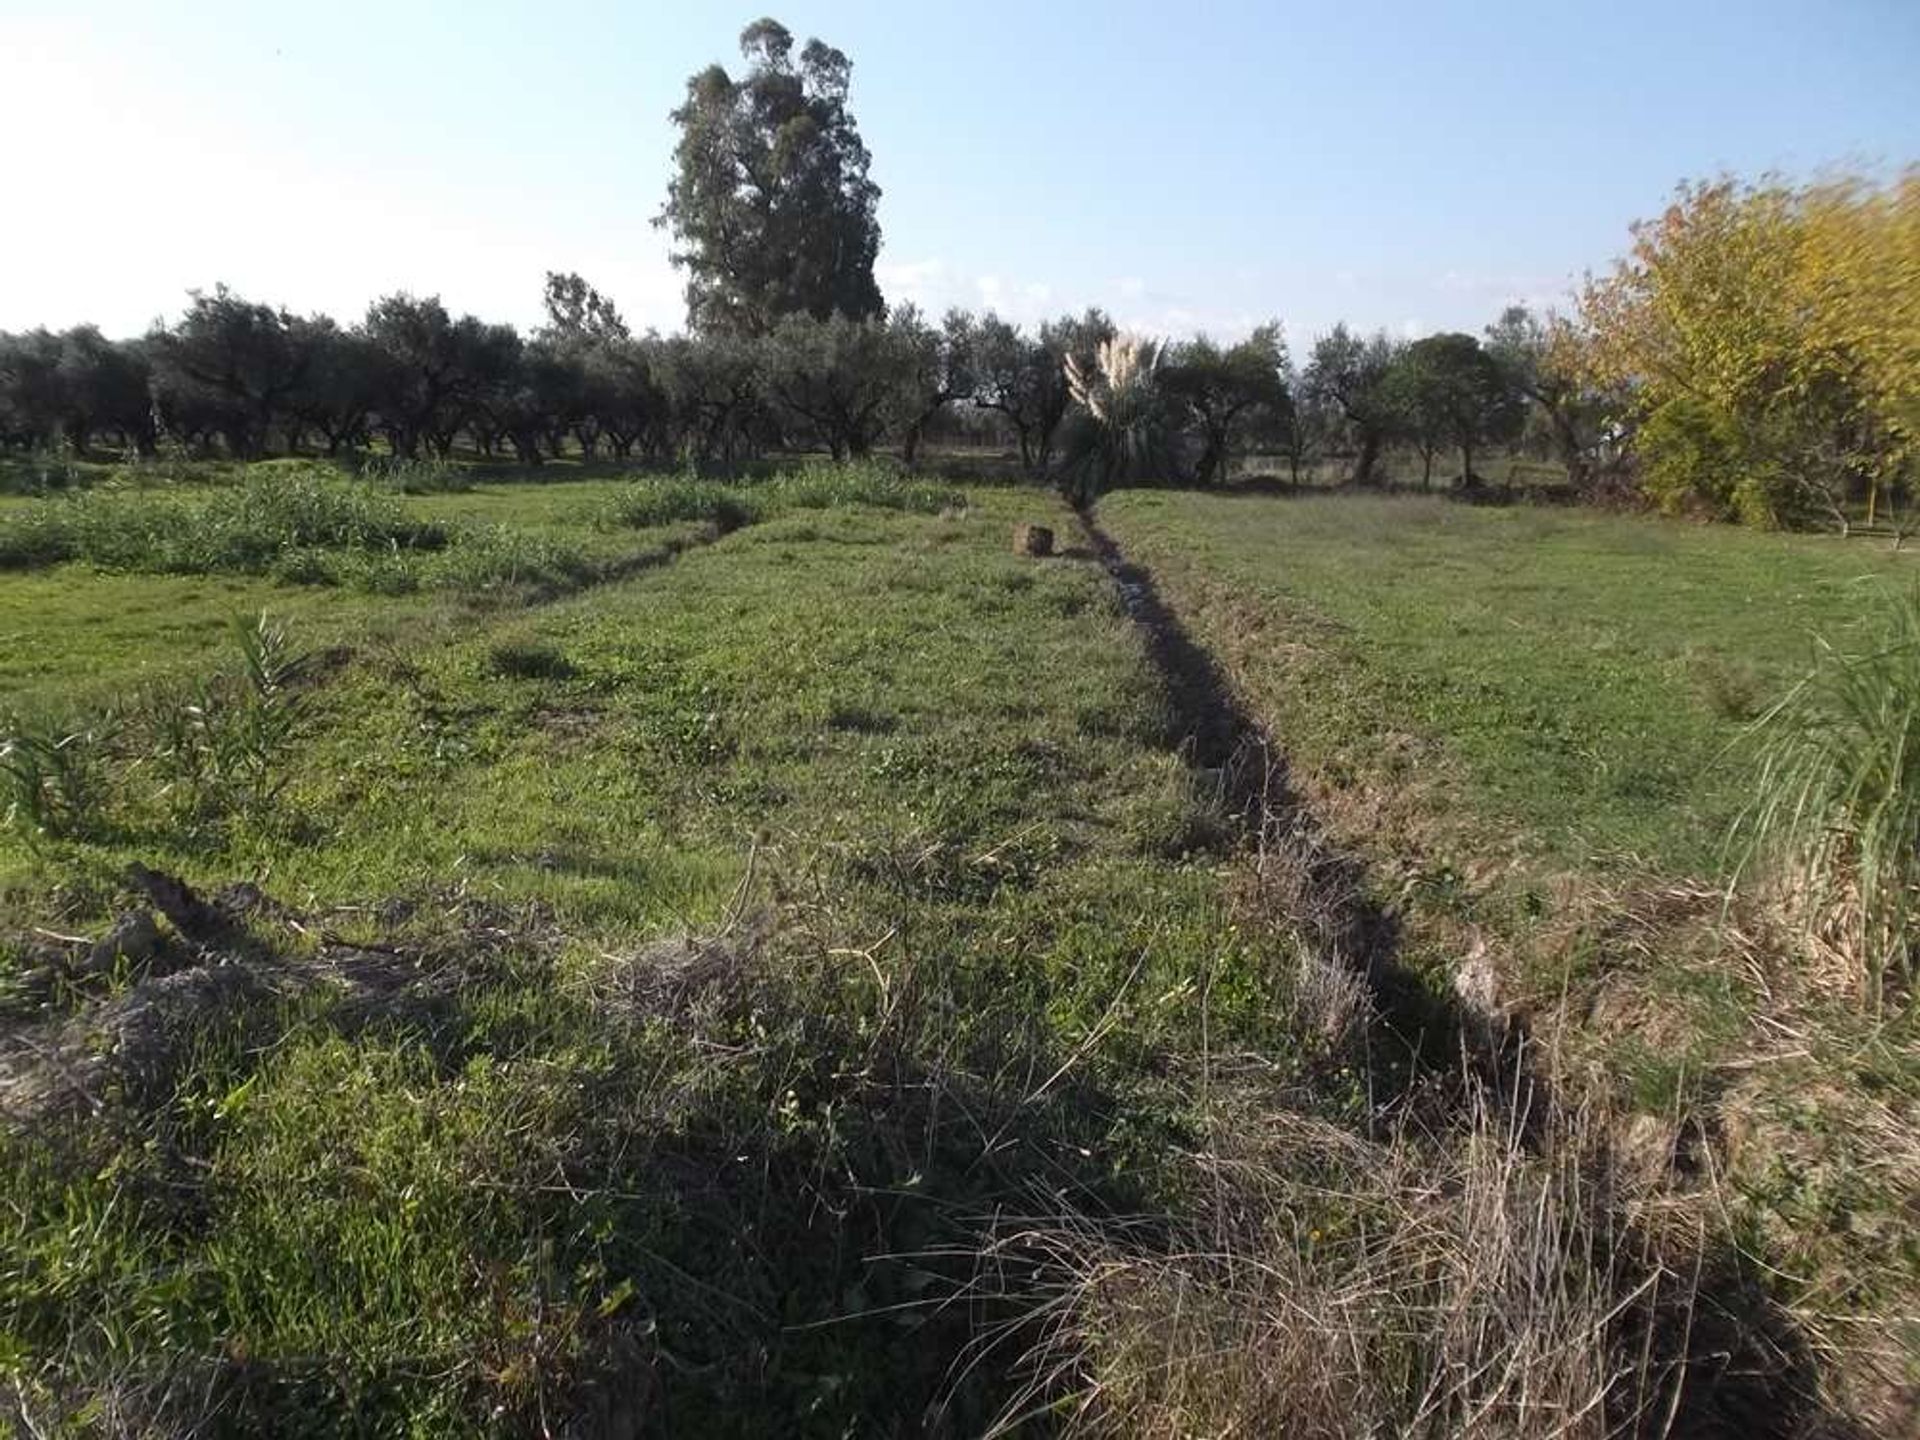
x=1120 y=394
x=1120 y=380
x=1837 y=798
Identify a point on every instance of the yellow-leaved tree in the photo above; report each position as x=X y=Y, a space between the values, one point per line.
x=1860 y=269
x=1767 y=338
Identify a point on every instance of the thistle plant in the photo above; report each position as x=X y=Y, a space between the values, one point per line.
x=1120 y=394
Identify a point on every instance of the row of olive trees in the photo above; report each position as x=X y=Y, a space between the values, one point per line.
x=246 y=379
x=1358 y=398
x=1143 y=411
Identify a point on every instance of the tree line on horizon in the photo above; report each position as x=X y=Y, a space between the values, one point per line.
x=244 y=379
x=1756 y=356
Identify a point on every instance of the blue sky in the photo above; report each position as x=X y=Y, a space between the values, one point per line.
x=1188 y=166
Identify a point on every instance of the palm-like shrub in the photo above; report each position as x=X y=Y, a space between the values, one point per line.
x=1122 y=434
x=1837 y=798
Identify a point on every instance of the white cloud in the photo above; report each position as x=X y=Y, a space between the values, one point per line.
x=912 y=279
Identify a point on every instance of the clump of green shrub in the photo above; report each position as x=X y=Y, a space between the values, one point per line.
x=816 y=485
x=528 y=660
x=246 y=529
x=221 y=748
x=485 y=558
x=36 y=537
x=413 y=477
x=673 y=501
x=50 y=780
x=1837 y=790
x=301 y=525
x=43 y=470
x=823 y=486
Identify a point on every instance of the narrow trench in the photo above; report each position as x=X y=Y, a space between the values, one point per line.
x=1418 y=1036
x=1744 y=1366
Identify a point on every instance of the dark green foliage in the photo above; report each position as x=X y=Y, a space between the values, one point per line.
x=234 y=364
x=578 y=313
x=1230 y=394
x=1348 y=377
x=770 y=201
x=347 y=377
x=70 y=389
x=438 y=369
x=1451 y=392
x=935 y=367
x=713 y=387
x=1020 y=379
x=838 y=383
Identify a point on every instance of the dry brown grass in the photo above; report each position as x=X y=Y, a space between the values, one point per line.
x=1332 y=1287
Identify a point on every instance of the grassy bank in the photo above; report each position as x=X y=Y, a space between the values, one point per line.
x=1532 y=724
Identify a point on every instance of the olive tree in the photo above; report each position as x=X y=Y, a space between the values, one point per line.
x=1452 y=392
x=1224 y=391
x=836 y=381
x=1543 y=360
x=1348 y=375
x=240 y=360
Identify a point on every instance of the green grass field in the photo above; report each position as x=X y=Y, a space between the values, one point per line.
x=1532 y=723
x=945 y=760
x=1572 y=681
x=717 y=995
